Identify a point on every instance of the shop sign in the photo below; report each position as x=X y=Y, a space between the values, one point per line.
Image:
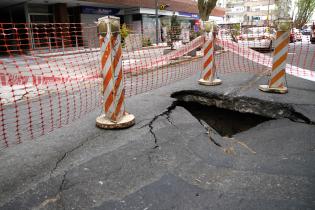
x=187 y=14
x=99 y=10
x=163 y=6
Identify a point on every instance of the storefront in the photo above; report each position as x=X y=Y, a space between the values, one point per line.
x=91 y=14
x=143 y=20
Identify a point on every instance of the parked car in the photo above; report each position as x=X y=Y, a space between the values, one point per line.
x=259 y=38
x=312 y=34
x=306 y=31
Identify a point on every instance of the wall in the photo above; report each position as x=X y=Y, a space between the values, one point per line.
x=90 y=36
x=134 y=23
x=149 y=28
x=61 y=13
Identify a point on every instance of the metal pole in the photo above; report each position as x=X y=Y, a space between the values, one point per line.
x=76 y=42
x=156 y=22
x=63 y=45
x=49 y=41
x=268 y=14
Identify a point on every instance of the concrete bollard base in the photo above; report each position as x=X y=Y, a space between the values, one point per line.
x=210 y=83
x=267 y=89
x=126 y=121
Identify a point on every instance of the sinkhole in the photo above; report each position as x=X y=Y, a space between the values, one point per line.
x=226 y=122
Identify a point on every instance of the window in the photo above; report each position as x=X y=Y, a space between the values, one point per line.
x=136 y=17
x=42 y=18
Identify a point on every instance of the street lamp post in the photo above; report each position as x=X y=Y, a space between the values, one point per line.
x=156 y=22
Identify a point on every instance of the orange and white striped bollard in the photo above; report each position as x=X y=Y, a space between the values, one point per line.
x=113 y=83
x=277 y=80
x=208 y=74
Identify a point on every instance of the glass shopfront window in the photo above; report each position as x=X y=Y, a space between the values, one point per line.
x=40 y=13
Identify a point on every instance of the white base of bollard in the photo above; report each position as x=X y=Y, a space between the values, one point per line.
x=126 y=121
x=266 y=88
x=210 y=83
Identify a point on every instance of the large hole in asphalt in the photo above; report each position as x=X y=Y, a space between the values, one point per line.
x=225 y=122
x=231 y=114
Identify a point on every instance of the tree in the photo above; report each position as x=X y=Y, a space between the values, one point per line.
x=174 y=31
x=124 y=32
x=305 y=9
x=235 y=31
x=205 y=8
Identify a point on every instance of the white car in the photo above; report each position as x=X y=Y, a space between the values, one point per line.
x=260 y=38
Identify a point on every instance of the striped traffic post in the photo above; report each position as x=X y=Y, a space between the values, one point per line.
x=208 y=74
x=112 y=90
x=277 y=80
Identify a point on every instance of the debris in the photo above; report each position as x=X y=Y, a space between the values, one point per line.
x=240 y=143
x=229 y=150
x=198 y=180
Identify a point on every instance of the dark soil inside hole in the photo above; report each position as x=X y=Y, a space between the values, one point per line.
x=225 y=122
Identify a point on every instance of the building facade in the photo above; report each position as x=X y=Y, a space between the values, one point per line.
x=62 y=11
x=259 y=10
x=139 y=15
x=250 y=12
x=235 y=11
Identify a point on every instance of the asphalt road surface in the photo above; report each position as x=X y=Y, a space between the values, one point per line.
x=60 y=104
x=168 y=160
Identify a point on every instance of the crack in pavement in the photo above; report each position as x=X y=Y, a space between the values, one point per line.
x=140 y=122
x=166 y=113
x=57 y=198
x=228 y=150
x=69 y=152
x=61 y=188
x=64 y=156
x=299 y=116
x=210 y=130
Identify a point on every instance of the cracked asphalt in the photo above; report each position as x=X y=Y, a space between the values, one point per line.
x=170 y=159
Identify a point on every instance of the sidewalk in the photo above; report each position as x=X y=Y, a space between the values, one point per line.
x=168 y=161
